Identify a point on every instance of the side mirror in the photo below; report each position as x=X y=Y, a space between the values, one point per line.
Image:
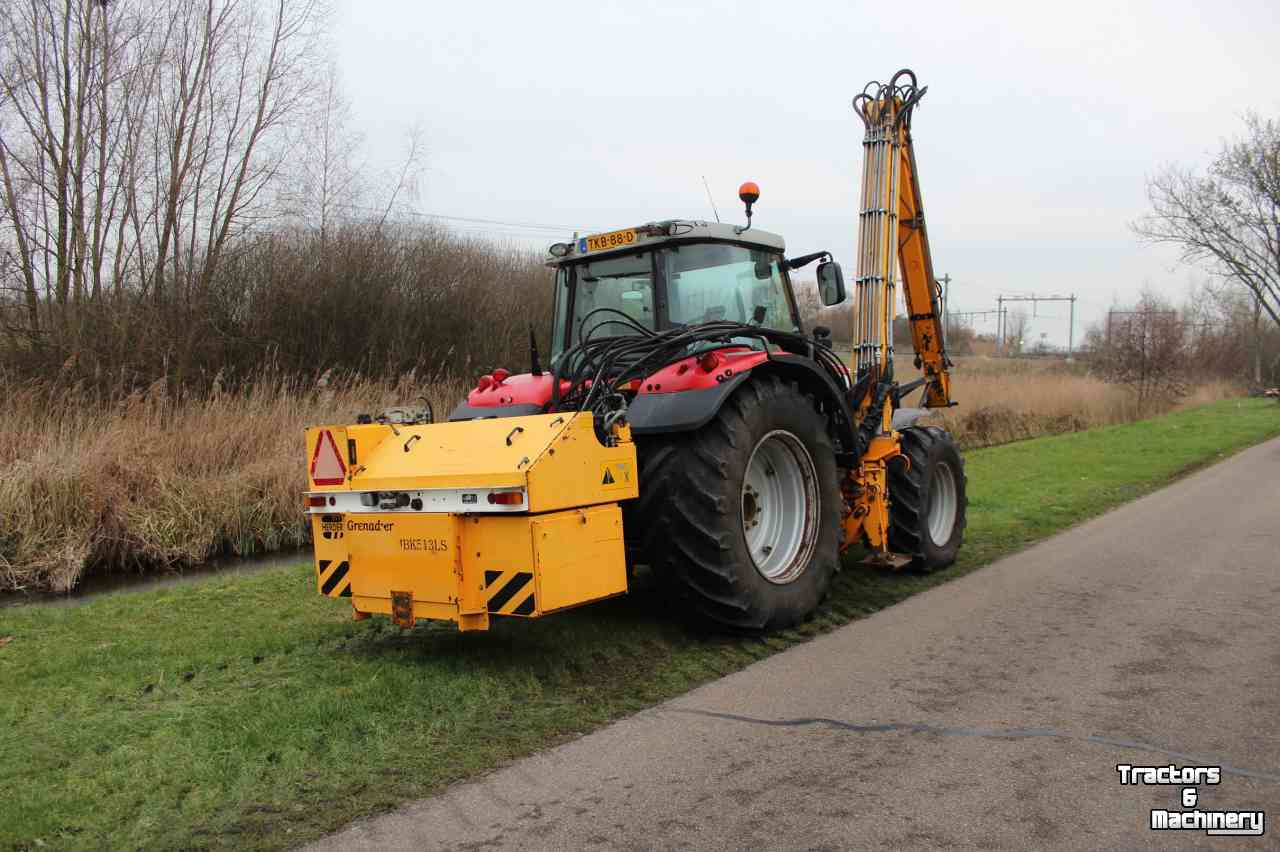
x=830 y=283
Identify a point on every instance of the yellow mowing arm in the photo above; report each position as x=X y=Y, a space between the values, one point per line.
x=891 y=234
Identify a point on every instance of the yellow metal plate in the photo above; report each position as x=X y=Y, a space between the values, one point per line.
x=611 y=240
x=578 y=471
x=468 y=568
x=579 y=557
x=404 y=553
x=489 y=453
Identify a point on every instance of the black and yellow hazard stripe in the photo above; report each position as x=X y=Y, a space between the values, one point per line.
x=334 y=580
x=509 y=592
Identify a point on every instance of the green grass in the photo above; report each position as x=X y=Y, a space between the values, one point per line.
x=249 y=712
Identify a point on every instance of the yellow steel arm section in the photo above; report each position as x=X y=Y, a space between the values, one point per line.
x=918 y=283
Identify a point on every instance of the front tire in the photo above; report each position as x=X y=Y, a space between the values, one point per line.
x=927 y=499
x=740 y=520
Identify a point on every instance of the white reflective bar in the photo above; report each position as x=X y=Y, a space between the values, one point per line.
x=453 y=500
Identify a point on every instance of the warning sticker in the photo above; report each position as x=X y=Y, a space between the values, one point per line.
x=615 y=475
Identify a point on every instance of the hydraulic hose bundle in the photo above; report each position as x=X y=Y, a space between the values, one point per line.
x=885 y=110
x=598 y=368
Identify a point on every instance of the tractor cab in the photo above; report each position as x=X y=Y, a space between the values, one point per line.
x=667 y=275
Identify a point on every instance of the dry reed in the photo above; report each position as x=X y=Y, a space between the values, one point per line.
x=1003 y=400
x=146 y=482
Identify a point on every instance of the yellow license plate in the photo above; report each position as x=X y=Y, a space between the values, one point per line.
x=611 y=240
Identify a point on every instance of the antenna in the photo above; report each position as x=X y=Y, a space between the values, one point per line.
x=535 y=363
x=710 y=199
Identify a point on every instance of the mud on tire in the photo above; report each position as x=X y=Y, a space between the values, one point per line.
x=927 y=498
x=688 y=525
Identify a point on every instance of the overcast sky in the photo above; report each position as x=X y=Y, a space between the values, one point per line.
x=1041 y=122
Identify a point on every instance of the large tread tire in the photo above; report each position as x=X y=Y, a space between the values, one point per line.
x=928 y=452
x=686 y=525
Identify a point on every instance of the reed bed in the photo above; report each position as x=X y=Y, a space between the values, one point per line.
x=147 y=482
x=1003 y=400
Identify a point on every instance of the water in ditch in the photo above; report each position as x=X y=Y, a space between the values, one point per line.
x=98 y=585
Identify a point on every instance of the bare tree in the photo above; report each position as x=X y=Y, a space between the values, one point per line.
x=331 y=182
x=1218 y=317
x=1144 y=348
x=1017 y=325
x=1227 y=219
x=137 y=140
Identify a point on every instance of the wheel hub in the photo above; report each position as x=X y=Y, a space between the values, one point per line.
x=943 y=501
x=750 y=507
x=780 y=507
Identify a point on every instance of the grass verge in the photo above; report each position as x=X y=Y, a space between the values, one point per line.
x=247 y=712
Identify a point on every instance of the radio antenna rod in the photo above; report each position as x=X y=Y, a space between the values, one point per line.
x=710 y=199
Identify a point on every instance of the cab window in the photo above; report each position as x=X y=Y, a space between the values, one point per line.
x=619 y=284
x=709 y=282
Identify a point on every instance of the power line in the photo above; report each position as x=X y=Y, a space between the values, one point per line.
x=469 y=219
x=966 y=318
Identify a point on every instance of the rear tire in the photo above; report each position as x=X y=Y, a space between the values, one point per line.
x=927 y=498
x=740 y=520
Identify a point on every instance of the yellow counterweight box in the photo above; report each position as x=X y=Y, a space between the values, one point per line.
x=531 y=522
x=466 y=568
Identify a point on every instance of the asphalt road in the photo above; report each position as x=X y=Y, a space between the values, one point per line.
x=990 y=711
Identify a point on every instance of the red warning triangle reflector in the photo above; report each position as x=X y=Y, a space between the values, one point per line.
x=326 y=465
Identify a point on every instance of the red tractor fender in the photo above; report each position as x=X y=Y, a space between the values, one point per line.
x=663 y=411
x=680 y=397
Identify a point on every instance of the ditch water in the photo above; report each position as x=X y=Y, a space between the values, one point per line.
x=98 y=585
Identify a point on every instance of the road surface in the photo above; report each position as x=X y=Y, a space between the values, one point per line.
x=990 y=711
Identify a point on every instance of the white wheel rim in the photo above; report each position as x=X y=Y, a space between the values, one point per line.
x=942 y=504
x=780 y=507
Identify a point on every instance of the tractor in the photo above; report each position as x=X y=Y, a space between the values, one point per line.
x=686 y=423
